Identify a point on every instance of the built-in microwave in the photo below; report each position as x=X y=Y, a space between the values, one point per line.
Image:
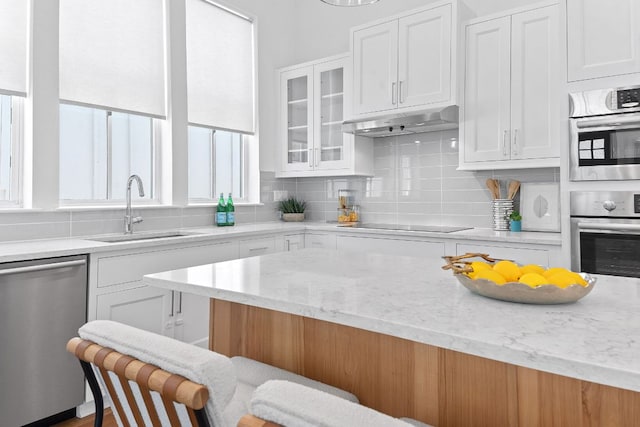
x=605 y=134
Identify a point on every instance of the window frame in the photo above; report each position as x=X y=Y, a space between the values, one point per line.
x=244 y=175
x=17 y=148
x=153 y=187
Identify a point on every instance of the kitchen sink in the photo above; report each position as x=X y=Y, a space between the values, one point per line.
x=141 y=236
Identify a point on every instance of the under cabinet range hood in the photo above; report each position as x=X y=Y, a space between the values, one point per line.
x=404 y=123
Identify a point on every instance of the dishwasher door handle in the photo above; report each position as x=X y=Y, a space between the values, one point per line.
x=41 y=267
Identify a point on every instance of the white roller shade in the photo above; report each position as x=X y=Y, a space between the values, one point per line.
x=112 y=54
x=220 y=68
x=13 y=46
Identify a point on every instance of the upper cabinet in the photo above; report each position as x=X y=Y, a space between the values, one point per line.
x=512 y=82
x=314 y=99
x=603 y=38
x=406 y=63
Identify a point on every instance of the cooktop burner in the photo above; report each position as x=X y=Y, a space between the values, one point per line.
x=427 y=228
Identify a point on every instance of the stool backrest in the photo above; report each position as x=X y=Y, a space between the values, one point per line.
x=142 y=394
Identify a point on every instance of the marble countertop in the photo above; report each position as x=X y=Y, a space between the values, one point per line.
x=34 y=249
x=595 y=339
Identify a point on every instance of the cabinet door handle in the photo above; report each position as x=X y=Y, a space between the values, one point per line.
x=393 y=93
x=180 y=303
x=504 y=144
x=515 y=142
x=400 y=93
x=172 y=298
x=258 y=249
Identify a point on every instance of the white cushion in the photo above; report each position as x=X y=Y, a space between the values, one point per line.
x=294 y=405
x=251 y=374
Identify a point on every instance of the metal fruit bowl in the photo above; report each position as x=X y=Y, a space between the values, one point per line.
x=516 y=291
x=519 y=292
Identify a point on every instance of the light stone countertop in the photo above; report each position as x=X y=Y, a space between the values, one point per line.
x=34 y=249
x=595 y=339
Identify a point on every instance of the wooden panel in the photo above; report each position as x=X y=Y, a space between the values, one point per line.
x=404 y=378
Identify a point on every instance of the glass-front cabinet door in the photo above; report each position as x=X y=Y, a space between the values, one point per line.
x=331 y=145
x=314 y=101
x=297 y=91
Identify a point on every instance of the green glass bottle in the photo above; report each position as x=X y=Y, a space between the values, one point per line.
x=231 y=211
x=221 y=212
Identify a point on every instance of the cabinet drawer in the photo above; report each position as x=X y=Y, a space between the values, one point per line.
x=128 y=268
x=518 y=255
x=254 y=247
x=320 y=241
x=392 y=246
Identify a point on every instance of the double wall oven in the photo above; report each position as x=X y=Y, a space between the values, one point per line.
x=605 y=146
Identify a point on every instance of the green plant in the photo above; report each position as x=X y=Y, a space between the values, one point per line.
x=292 y=205
x=515 y=216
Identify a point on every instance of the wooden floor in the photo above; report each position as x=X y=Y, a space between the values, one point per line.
x=108 y=421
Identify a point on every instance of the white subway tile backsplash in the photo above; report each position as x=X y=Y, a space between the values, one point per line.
x=417 y=183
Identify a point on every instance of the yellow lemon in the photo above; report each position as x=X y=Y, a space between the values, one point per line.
x=494 y=276
x=577 y=279
x=531 y=268
x=508 y=269
x=480 y=265
x=554 y=270
x=533 y=279
x=562 y=279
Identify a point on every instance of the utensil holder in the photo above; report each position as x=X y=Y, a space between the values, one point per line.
x=501 y=209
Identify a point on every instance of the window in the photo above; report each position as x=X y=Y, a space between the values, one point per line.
x=100 y=149
x=10 y=138
x=216 y=164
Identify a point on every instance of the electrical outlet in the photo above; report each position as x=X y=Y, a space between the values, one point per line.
x=280 y=195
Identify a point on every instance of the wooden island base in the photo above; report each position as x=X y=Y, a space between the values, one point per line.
x=404 y=378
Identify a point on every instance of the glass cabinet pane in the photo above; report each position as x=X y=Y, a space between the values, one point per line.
x=331 y=115
x=297 y=123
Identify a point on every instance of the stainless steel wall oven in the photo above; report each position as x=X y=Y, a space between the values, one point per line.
x=605 y=233
x=605 y=134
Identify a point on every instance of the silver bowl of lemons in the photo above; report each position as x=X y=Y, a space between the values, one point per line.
x=530 y=284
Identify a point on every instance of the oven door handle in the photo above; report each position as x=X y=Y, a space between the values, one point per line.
x=608 y=227
x=610 y=122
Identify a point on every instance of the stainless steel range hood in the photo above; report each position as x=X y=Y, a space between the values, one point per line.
x=404 y=123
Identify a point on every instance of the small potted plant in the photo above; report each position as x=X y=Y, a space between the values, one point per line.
x=292 y=209
x=515 y=221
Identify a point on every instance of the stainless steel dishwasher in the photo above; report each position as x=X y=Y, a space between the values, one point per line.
x=42 y=304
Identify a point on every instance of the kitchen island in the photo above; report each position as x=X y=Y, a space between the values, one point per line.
x=408 y=340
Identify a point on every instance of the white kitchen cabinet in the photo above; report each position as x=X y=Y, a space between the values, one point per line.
x=319 y=240
x=117 y=292
x=511 y=104
x=255 y=247
x=518 y=254
x=418 y=248
x=292 y=242
x=405 y=62
x=314 y=100
x=143 y=307
x=603 y=38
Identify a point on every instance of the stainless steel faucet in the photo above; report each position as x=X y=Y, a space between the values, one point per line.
x=128 y=219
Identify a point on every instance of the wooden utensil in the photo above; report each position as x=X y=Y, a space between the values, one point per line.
x=514 y=186
x=494 y=188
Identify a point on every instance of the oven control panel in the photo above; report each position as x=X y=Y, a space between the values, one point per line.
x=605 y=204
x=627 y=98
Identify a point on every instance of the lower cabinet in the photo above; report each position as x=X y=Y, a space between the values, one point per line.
x=143 y=307
x=320 y=240
x=255 y=247
x=116 y=290
x=415 y=248
x=518 y=254
x=292 y=242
